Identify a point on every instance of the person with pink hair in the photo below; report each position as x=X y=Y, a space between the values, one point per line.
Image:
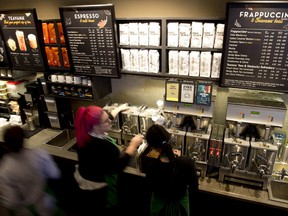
x=99 y=160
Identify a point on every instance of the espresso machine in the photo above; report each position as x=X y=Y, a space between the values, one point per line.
x=115 y=129
x=193 y=123
x=249 y=150
x=130 y=123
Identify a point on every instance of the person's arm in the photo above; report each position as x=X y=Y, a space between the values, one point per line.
x=116 y=111
x=47 y=164
x=135 y=142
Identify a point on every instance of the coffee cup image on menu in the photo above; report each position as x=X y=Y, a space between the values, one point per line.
x=21 y=40
x=12 y=44
x=32 y=41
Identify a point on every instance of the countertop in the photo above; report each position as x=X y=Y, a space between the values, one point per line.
x=209 y=185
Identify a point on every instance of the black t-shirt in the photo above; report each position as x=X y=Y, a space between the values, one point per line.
x=170 y=180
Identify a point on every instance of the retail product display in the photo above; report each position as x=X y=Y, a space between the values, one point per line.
x=193 y=47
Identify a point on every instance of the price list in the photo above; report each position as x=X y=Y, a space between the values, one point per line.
x=91 y=39
x=255 y=48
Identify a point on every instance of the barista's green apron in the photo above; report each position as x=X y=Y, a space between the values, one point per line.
x=171 y=208
x=111 y=180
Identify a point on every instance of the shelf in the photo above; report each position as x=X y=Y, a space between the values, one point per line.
x=70 y=97
x=165 y=76
x=68 y=84
x=163 y=49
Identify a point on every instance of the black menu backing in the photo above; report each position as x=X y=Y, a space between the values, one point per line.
x=90 y=34
x=20 y=33
x=255 y=46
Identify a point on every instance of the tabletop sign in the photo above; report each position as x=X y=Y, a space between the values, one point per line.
x=90 y=32
x=187 y=92
x=172 y=90
x=20 y=33
x=256 y=46
x=204 y=93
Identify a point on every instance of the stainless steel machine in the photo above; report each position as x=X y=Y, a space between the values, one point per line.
x=115 y=130
x=250 y=151
x=194 y=122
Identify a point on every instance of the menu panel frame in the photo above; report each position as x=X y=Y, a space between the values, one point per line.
x=4 y=62
x=22 y=35
x=172 y=90
x=93 y=47
x=187 y=92
x=204 y=93
x=255 y=47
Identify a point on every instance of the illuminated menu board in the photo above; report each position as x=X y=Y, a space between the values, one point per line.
x=255 y=46
x=90 y=32
x=20 y=33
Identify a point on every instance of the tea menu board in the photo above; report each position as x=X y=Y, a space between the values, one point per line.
x=255 y=46
x=20 y=35
x=90 y=34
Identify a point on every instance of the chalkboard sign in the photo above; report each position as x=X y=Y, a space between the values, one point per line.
x=20 y=32
x=256 y=46
x=90 y=32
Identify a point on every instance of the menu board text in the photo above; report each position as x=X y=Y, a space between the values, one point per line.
x=255 y=47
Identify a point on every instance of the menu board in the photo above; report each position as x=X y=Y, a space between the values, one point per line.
x=20 y=33
x=4 y=63
x=90 y=32
x=255 y=46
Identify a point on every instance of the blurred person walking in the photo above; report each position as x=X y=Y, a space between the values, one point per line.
x=99 y=160
x=23 y=176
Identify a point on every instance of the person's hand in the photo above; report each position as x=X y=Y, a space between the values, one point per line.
x=135 y=142
x=118 y=109
x=123 y=107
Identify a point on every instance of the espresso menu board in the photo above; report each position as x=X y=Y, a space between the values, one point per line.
x=90 y=34
x=20 y=35
x=256 y=46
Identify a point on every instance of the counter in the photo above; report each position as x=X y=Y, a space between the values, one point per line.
x=209 y=185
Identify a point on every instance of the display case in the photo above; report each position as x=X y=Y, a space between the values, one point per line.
x=55 y=46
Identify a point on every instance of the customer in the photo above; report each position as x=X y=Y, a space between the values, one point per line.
x=173 y=179
x=23 y=176
x=99 y=160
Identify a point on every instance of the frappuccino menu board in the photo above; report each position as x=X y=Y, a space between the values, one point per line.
x=20 y=35
x=256 y=46
x=90 y=34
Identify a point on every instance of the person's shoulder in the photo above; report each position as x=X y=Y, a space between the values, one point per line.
x=185 y=160
x=38 y=152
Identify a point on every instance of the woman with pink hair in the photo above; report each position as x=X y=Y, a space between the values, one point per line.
x=99 y=160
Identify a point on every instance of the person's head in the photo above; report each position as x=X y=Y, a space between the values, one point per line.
x=158 y=137
x=14 y=138
x=91 y=119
